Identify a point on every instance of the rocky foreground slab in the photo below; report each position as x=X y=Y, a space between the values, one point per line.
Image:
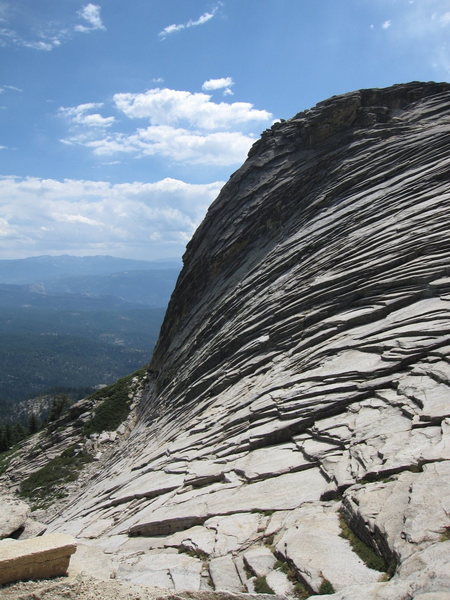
x=37 y=558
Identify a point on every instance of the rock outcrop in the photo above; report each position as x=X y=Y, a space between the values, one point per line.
x=13 y=516
x=37 y=558
x=60 y=459
x=295 y=430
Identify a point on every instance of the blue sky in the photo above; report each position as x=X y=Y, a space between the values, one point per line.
x=121 y=121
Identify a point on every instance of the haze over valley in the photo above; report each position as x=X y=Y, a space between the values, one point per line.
x=70 y=324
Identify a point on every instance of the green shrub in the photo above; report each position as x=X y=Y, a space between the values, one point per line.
x=194 y=552
x=326 y=587
x=114 y=406
x=365 y=552
x=44 y=485
x=261 y=586
x=301 y=591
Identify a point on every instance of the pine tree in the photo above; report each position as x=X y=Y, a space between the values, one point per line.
x=8 y=436
x=3 y=440
x=18 y=432
x=33 y=423
x=59 y=405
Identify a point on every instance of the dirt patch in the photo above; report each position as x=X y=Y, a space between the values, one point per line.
x=88 y=588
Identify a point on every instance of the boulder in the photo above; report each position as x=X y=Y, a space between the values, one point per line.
x=13 y=515
x=38 y=558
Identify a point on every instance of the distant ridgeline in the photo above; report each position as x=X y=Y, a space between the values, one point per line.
x=68 y=324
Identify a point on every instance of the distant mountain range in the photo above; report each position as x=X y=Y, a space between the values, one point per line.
x=77 y=321
x=50 y=268
x=86 y=283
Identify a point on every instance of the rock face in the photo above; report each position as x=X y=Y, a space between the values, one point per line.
x=299 y=393
x=38 y=558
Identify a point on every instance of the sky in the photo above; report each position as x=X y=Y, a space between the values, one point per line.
x=121 y=121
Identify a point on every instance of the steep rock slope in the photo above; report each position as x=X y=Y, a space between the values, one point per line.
x=300 y=388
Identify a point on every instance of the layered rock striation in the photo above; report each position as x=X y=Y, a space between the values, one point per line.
x=299 y=394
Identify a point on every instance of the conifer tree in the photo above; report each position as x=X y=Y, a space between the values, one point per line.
x=33 y=423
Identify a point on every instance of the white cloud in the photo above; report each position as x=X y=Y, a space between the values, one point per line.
x=79 y=115
x=223 y=83
x=217 y=84
x=180 y=145
x=386 y=24
x=184 y=127
x=13 y=88
x=171 y=107
x=91 y=14
x=42 y=216
x=204 y=18
x=47 y=34
x=9 y=37
x=41 y=45
x=6 y=231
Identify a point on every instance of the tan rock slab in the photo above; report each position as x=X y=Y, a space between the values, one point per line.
x=37 y=558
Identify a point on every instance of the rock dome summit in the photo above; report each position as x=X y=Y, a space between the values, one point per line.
x=294 y=432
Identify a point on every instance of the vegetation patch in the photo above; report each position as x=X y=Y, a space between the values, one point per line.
x=114 y=406
x=300 y=589
x=46 y=484
x=261 y=586
x=365 y=552
x=445 y=534
x=194 y=552
x=326 y=587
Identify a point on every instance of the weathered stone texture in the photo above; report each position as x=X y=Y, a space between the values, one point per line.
x=37 y=558
x=303 y=370
x=13 y=515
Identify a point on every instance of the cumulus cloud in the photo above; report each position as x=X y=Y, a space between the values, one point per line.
x=42 y=216
x=184 y=127
x=170 y=107
x=178 y=144
x=91 y=15
x=386 y=24
x=224 y=83
x=217 y=84
x=80 y=115
x=202 y=19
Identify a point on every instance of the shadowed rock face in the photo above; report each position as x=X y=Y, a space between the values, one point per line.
x=303 y=369
x=337 y=210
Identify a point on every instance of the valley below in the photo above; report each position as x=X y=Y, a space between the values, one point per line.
x=69 y=324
